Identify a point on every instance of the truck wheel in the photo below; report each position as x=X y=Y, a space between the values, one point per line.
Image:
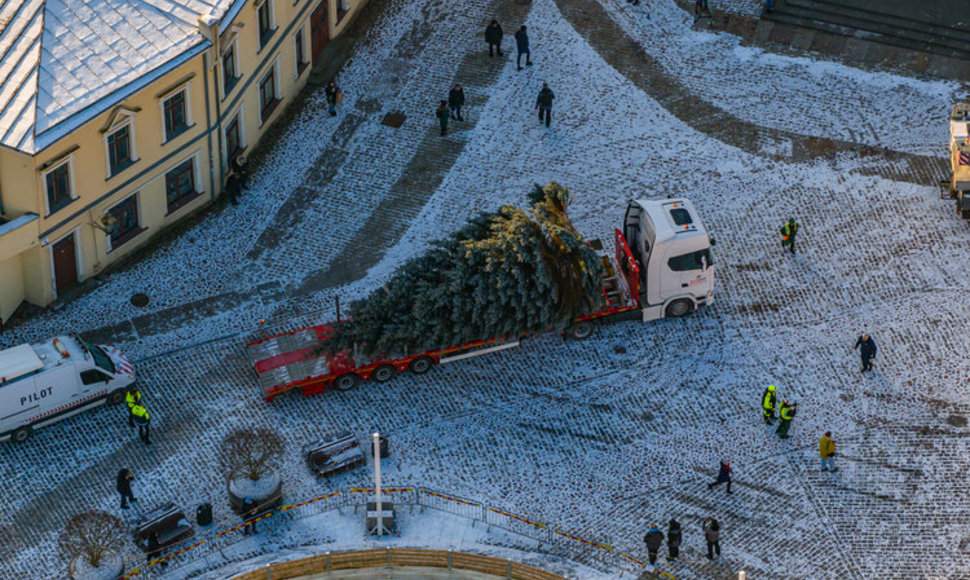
x=346 y=382
x=384 y=373
x=116 y=397
x=22 y=434
x=582 y=329
x=679 y=308
x=421 y=365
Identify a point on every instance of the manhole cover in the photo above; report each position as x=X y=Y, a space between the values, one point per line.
x=957 y=420
x=139 y=300
x=395 y=119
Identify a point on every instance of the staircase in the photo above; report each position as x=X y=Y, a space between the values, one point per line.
x=940 y=27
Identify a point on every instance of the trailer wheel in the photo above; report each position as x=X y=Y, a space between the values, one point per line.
x=346 y=382
x=384 y=373
x=582 y=329
x=679 y=308
x=116 y=397
x=421 y=365
x=22 y=434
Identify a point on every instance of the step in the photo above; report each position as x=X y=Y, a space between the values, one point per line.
x=903 y=39
x=860 y=18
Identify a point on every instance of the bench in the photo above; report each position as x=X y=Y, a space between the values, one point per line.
x=334 y=453
x=166 y=523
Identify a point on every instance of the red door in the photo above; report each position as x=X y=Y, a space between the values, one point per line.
x=65 y=263
x=319 y=28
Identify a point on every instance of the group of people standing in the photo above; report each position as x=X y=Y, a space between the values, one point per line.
x=654 y=539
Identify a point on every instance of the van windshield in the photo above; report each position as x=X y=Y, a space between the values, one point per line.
x=101 y=358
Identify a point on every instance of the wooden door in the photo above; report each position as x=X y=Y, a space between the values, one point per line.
x=319 y=28
x=65 y=263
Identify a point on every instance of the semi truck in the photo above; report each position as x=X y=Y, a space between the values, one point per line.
x=661 y=266
x=46 y=382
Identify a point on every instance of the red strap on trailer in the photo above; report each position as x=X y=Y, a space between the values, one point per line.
x=281 y=360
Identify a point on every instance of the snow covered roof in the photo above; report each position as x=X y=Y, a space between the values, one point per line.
x=62 y=62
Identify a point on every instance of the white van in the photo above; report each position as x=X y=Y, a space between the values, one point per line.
x=44 y=383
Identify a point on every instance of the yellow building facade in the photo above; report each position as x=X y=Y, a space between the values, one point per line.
x=105 y=143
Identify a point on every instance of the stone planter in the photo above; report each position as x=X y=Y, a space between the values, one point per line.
x=266 y=491
x=111 y=568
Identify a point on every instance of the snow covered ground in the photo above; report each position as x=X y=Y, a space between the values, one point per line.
x=604 y=437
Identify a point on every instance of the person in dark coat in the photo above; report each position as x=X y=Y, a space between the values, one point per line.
x=544 y=103
x=673 y=540
x=334 y=97
x=240 y=166
x=712 y=533
x=123 y=485
x=154 y=550
x=456 y=100
x=493 y=36
x=522 y=46
x=250 y=509
x=867 y=349
x=443 y=113
x=233 y=188
x=723 y=476
x=654 y=539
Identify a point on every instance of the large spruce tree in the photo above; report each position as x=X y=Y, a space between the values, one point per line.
x=505 y=273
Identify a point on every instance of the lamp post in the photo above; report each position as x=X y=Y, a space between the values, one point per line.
x=377 y=483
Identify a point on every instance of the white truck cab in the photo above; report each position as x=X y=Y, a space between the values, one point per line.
x=672 y=248
x=46 y=382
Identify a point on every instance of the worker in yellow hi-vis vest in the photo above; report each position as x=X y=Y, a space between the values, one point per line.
x=769 y=404
x=788 y=232
x=141 y=417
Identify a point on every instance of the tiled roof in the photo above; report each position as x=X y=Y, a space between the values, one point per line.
x=64 y=61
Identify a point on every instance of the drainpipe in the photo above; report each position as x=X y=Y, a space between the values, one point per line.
x=209 y=28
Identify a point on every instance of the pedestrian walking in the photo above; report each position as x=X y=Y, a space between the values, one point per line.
x=786 y=413
x=826 y=450
x=788 y=232
x=493 y=36
x=456 y=100
x=768 y=405
x=141 y=418
x=132 y=398
x=443 y=114
x=654 y=540
x=123 y=485
x=544 y=103
x=723 y=476
x=673 y=540
x=250 y=508
x=867 y=349
x=334 y=97
x=712 y=533
x=233 y=187
x=522 y=46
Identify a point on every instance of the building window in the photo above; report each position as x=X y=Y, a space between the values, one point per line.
x=300 y=51
x=175 y=112
x=264 y=22
x=126 y=221
x=180 y=185
x=230 y=74
x=235 y=141
x=59 y=190
x=268 y=94
x=119 y=150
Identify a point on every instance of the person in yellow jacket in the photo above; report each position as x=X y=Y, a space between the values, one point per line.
x=141 y=417
x=132 y=398
x=769 y=404
x=826 y=450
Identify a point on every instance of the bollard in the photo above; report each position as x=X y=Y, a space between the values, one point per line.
x=741 y=575
x=388 y=549
x=508 y=569
x=449 y=559
x=328 y=562
x=269 y=572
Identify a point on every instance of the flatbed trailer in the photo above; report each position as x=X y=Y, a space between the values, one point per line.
x=299 y=359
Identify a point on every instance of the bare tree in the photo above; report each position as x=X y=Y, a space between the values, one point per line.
x=91 y=535
x=251 y=452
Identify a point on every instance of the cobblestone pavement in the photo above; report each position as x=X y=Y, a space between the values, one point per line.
x=606 y=436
